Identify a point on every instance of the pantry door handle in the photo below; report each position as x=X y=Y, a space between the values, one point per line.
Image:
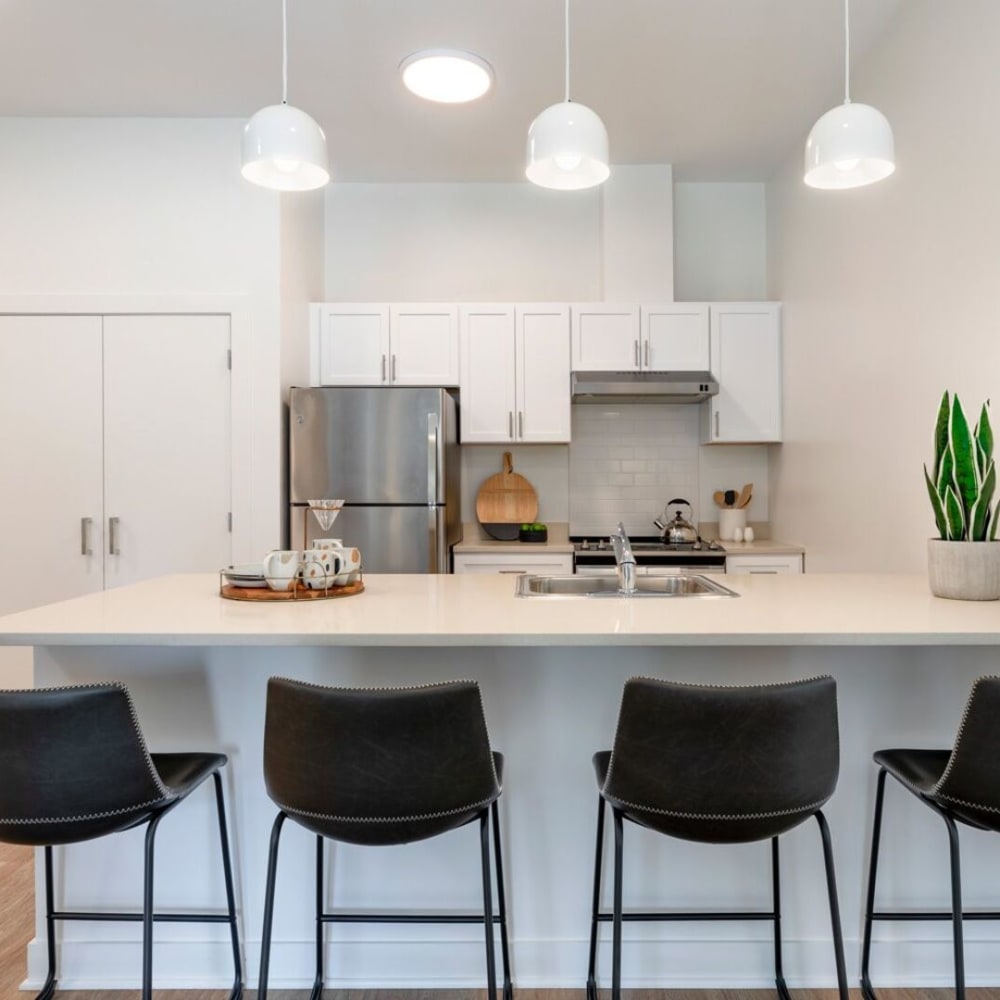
x=113 y=547
x=510 y=424
x=637 y=353
x=520 y=424
x=383 y=367
x=647 y=353
x=394 y=368
x=716 y=423
x=86 y=523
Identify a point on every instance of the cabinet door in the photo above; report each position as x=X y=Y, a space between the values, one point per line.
x=424 y=344
x=50 y=450
x=746 y=360
x=764 y=564
x=675 y=337
x=350 y=344
x=487 y=383
x=551 y=564
x=166 y=445
x=543 y=381
x=605 y=338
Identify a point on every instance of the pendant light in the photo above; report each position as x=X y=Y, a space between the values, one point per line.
x=283 y=148
x=567 y=143
x=851 y=145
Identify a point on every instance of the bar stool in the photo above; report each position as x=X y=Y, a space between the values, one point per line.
x=961 y=785
x=380 y=766
x=74 y=766
x=719 y=765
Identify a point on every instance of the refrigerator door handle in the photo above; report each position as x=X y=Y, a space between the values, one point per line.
x=433 y=448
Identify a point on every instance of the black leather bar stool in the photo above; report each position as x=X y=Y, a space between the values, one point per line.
x=961 y=785
x=74 y=766
x=719 y=765
x=377 y=766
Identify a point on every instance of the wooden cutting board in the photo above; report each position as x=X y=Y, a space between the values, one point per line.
x=506 y=498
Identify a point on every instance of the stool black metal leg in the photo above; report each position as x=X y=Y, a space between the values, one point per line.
x=484 y=843
x=779 y=975
x=49 y=986
x=317 y=990
x=831 y=888
x=616 y=940
x=592 y=965
x=147 y=909
x=508 y=989
x=956 y=907
x=272 y=873
x=227 y=868
x=867 y=991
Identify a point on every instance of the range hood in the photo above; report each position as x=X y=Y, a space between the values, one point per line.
x=643 y=387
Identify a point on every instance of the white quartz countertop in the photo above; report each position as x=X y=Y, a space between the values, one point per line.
x=763 y=547
x=473 y=610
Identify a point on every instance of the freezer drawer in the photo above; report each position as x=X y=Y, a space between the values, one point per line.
x=391 y=539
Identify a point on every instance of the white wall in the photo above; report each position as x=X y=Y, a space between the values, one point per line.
x=720 y=237
x=890 y=296
x=156 y=207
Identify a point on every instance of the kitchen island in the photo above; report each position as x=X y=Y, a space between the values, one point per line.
x=551 y=672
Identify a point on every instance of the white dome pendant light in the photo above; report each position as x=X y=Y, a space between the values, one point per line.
x=851 y=145
x=567 y=143
x=283 y=148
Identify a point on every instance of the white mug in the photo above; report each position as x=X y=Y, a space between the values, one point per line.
x=319 y=568
x=327 y=543
x=281 y=568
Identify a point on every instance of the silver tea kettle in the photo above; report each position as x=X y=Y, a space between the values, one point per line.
x=677 y=531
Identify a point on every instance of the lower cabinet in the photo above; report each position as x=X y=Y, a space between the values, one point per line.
x=547 y=563
x=764 y=564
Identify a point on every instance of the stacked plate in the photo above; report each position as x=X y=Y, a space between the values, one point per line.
x=247 y=575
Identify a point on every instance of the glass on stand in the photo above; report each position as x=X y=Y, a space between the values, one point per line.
x=326 y=512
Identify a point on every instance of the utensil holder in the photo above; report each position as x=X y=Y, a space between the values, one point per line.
x=731 y=520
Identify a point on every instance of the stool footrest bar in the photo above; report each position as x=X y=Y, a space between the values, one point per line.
x=607 y=918
x=405 y=918
x=932 y=915
x=165 y=918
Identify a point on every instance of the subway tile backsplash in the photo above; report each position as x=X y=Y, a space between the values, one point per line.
x=626 y=462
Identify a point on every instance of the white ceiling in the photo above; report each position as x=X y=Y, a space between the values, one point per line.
x=723 y=89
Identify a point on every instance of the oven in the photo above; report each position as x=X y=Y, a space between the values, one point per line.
x=653 y=557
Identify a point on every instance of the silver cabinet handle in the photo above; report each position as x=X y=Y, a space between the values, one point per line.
x=510 y=424
x=637 y=354
x=114 y=548
x=716 y=423
x=647 y=353
x=520 y=423
x=383 y=367
x=517 y=572
x=86 y=523
x=393 y=379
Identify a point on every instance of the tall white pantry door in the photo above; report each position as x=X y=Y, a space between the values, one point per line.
x=167 y=462
x=51 y=483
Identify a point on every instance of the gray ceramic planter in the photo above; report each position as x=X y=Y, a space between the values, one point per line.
x=964 y=571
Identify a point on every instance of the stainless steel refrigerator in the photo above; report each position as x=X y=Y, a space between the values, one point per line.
x=392 y=455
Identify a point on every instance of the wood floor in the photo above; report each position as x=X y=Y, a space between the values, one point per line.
x=17 y=926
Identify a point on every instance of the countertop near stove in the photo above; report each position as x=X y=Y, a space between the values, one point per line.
x=475 y=540
x=763 y=547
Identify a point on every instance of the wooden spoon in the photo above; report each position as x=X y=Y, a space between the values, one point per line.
x=720 y=498
x=745 y=494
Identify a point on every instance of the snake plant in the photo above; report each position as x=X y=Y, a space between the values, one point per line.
x=964 y=479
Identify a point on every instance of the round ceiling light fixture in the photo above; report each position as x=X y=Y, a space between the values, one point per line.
x=446 y=76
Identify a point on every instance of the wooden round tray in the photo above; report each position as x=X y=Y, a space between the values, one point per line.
x=300 y=593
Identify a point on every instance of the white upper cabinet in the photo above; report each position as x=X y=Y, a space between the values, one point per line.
x=746 y=360
x=384 y=345
x=515 y=373
x=606 y=338
x=675 y=337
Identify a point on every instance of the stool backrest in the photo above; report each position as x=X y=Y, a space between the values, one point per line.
x=973 y=771
x=725 y=751
x=376 y=753
x=72 y=753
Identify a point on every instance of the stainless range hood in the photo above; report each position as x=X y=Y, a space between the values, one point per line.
x=643 y=387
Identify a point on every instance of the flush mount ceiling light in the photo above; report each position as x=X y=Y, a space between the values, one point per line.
x=851 y=145
x=283 y=148
x=567 y=143
x=446 y=75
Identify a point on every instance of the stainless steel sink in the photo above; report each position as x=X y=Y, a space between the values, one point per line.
x=681 y=585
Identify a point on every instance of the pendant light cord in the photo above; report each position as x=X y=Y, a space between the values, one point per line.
x=284 y=51
x=567 y=51
x=847 y=52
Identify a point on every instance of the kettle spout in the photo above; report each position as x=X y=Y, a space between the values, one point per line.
x=659 y=524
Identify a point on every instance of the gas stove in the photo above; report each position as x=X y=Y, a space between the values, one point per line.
x=591 y=551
